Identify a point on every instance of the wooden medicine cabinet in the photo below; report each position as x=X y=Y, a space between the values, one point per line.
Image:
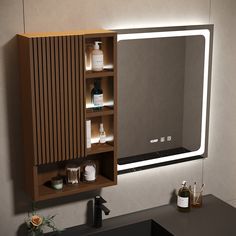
x=56 y=82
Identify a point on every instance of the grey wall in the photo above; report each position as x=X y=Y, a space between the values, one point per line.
x=218 y=171
x=220 y=168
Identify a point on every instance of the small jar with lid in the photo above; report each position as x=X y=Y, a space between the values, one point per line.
x=73 y=174
x=89 y=171
x=57 y=182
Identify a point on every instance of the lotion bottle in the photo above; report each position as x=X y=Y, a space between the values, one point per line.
x=183 y=198
x=88 y=133
x=97 y=58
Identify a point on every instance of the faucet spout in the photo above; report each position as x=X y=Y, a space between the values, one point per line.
x=98 y=208
x=105 y=210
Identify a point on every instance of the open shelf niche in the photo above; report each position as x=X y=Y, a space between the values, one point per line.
x=107 y=115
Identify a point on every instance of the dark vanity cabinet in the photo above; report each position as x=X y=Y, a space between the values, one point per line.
x=56 y=84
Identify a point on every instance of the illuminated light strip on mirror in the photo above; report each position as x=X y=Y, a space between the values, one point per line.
x=178 y=33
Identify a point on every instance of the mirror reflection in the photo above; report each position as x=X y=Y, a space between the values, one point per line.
x=161 y=94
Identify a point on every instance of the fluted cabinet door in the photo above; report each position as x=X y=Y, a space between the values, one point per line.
x=55 y=69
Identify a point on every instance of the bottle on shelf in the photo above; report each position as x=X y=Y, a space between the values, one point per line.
x=97 y=58
x=102 y=134
x=88 y=133
x=97 y=95
x=183 y=198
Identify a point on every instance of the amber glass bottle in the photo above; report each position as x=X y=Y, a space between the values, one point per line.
x=183 y=198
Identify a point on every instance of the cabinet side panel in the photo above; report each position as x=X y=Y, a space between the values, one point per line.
x=28 y=111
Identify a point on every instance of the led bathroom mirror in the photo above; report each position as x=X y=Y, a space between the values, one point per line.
x=163 y=95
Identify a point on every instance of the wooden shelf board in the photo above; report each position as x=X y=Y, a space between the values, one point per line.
x=100 y=148
x=85 y=33
x=46 y=192
x=106 y=110
x=97 y=74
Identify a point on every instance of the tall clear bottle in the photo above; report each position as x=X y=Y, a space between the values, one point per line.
x=183 y=198
x=102 y=134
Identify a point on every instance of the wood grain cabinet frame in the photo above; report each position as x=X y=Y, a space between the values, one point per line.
x=53 y=83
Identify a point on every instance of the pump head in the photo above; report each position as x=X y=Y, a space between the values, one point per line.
x=96 y=44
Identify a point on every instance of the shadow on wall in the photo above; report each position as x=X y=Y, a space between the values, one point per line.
x=173 y=198
x=22 y=203
x=10 y=56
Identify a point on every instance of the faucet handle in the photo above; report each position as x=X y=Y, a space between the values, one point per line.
x=99 y=200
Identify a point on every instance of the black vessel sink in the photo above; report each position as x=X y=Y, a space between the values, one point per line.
x=144 y=228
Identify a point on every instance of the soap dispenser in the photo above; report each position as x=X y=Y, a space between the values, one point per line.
x=183 y=198
x=97 y=58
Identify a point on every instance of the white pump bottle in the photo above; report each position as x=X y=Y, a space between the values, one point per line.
x=97 y=58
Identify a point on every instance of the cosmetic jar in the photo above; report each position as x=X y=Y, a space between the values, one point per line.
x=90 y=171
x=73 y=174
x=57 y=182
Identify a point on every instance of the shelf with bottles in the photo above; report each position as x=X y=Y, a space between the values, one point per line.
x=107 y=45
x=106 y=87
x=104 y=177
x=100 y=148
x=100 y=134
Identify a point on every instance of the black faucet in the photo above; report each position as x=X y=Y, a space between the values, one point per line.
x=98 y=208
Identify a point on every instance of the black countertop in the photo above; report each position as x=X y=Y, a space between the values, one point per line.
x=214 y=218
